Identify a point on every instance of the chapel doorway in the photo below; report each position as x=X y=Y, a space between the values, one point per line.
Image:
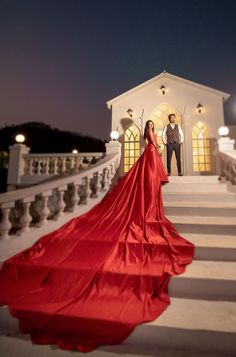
x=160 y=119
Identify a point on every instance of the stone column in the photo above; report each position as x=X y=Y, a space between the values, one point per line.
x=114 y=147
x=16 y=165
x=226 y=144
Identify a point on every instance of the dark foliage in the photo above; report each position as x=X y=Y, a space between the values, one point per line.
x=41 y=138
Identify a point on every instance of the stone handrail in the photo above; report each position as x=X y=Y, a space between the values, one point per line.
x=228 y=165
x=30 y=207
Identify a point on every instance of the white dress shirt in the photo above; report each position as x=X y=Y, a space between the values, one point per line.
x=181 y=135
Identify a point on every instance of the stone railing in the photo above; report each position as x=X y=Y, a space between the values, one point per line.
x=227 y=156
x=58 y=164
x=29 y=169
x=31 y=207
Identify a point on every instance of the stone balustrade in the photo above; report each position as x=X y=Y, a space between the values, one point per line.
x=58 y=164
x=29 y=169
x=228 y=166
x=25 y=209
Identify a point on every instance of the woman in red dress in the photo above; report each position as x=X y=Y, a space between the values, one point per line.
x=101 y=274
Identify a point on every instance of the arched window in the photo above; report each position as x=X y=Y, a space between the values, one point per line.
x=160 y=119
x=131 y=146
x=201 y=148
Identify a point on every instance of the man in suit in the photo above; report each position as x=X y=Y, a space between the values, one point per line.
x=173 y=137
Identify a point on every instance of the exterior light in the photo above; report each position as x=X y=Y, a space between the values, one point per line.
x=74 y=151
x=19 y=138
x=114 y=135
x=200 y=108
x=130 y=112
x=163 y=89
x=223 y=131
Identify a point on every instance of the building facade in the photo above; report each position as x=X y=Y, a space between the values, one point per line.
x=198 y=109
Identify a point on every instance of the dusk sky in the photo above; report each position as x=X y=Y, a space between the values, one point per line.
x=61 y=60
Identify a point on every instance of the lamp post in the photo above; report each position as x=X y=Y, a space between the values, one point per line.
x=16 y=162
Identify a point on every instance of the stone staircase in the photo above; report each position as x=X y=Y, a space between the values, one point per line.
x=201 y=319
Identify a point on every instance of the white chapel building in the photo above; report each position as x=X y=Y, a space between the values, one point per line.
x=198 y=109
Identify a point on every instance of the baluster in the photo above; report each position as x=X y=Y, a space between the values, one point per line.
x=63 y=166
x=98 y=184
x=75 y=199
x=31 y=168
x=39 y=166
x=113 y=171
x=26 y=218
x=105 y=180
x=76 y=164
x=5 y=224
x=109 y=176
x=90 y=158
x=61 y=203
x=47 y=166
x=55 y=166
x=88 y=190
x=44 y=212
x=72 y=164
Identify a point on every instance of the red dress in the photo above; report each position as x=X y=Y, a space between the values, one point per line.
x=101 y=274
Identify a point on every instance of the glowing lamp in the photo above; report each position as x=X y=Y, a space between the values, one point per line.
x=20 y=138
x=114 y=135
x=223 y=131
x=74 y=151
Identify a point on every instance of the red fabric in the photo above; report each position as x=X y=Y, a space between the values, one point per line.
x=101 y=274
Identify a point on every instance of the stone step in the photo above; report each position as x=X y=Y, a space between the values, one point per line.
x=194 y=325
x=147 y=340
x=196 y=208
x=195 y=187
x=199 y=197
x=213 y=247
x=204 y=225
x=194 y=179
x=206 y=280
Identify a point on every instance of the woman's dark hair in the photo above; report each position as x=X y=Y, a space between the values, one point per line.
x=146 y=128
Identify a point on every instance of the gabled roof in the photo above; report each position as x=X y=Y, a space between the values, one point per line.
x=164 y=75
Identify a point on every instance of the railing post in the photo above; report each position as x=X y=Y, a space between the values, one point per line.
x=16 y=165
x=227 y=159
x=114 y=147
x=226 y=144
